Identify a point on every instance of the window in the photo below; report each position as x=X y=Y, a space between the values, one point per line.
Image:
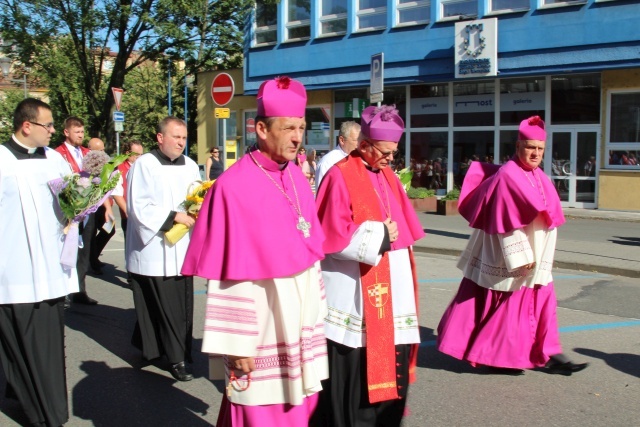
x=333 y=17
x=508 y=5
x=411 y=12
x=429 y=106
x=429 y=160
x=623 y=124
x=473 y=104
x=266 y=31
x=458 y=8
x=521 y=98
x=372 y=14
x=298 y=24
x=575 y=99
x=561 y=2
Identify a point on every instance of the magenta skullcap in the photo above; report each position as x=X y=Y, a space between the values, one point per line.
x=532 y=129
x=282 y=97
x=382 y=123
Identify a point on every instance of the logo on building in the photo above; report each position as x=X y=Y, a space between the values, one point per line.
x=476 y=48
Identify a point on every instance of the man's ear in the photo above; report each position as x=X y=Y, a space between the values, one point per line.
x=261 y=129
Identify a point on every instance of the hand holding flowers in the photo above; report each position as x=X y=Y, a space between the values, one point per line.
x=81 y=194
x=192 y=206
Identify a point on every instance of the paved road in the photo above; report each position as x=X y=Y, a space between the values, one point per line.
x=599 y=315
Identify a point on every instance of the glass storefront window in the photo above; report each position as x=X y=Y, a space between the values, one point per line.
x=624 y=123
x=429 y=106
x=249 y=128
x=520 y=99
x=473 y=104
x=467 y=147
x=318 y=133
x=575 y=99
x=429 y=160
x=625 y=158
x=508 y=140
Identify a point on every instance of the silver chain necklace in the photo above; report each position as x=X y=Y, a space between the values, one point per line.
x=540 y=189
x=303 y=225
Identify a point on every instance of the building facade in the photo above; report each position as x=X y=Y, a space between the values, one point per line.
x=463 y=73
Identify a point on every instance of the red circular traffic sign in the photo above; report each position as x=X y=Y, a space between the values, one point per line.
x=222 y=89
x=251 y=125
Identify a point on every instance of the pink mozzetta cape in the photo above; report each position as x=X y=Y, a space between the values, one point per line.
x=246 y=229
x=334 y=207
x=499 y=199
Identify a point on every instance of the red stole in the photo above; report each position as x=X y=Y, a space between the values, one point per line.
x=68 y=156
x=376 y=284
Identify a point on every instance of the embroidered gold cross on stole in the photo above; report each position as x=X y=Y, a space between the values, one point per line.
x=378 y=296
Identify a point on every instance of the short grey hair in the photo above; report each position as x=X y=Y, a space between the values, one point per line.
x=347 y=127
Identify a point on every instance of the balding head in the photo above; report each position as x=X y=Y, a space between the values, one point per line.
x=96 y=144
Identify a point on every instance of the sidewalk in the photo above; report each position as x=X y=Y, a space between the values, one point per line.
x=591 y=240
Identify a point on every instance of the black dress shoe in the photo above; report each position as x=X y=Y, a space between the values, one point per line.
x=566 y=368
x=179 y=372
x=83 y=298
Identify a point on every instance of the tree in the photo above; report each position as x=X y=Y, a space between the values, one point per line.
x=124 y=33
x=8 y=103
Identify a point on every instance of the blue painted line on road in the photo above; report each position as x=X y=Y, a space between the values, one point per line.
x=577 y=328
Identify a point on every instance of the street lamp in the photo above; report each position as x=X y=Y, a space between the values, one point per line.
x=5 y=63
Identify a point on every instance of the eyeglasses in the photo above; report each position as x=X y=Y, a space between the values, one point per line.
x=215 y=152
x=47 y=126
x=385 y=153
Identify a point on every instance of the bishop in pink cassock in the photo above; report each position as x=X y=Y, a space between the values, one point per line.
x=259 y=243
x=504 y=314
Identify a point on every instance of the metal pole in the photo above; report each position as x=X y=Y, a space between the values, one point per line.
x=224 y=143
x=117 y=143
x=169 y=87
x=186 y=94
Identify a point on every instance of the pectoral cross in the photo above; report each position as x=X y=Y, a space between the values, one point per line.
x=229 y=388
x=304 y=226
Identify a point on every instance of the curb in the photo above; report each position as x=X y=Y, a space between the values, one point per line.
x=571 y=265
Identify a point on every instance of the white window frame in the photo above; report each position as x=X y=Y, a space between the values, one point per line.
x=264 y=29
x=360 y=13
x=542 y=4
x=619 y=146
x=455 y=17
x=418 y=4
x=493 y=11
x=290 y=25
x=325 y=19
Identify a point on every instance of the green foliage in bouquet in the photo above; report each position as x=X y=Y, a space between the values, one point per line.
x=405 y=176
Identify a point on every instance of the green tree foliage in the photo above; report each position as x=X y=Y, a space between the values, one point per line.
x=68 y=42
x=9 y=99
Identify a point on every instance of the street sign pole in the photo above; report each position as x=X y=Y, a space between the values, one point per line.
x=376 y=88
x=222 y=90
x=117 y=96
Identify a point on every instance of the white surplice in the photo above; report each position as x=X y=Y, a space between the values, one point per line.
x=341 y=273
x=154 y=191
x=496 y=261
x=31 y=227
x=279 y=322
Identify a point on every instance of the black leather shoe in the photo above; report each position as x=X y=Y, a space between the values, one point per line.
x=566 y=368
x=179 y=372
x=83 y=298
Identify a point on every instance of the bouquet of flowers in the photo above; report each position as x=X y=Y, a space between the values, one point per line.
x=192 y=204
x=81 y=194
x=405 y=176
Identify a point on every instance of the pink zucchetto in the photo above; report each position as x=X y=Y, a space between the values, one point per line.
x=382 y=123
x=532 y=129
x=282 y=97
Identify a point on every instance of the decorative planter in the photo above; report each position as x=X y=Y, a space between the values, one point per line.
x=447 y=207
x=428 y=204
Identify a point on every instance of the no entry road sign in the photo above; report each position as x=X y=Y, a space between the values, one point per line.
x=222 y=89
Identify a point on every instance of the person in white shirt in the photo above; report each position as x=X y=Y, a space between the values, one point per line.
x=33 y=282
x=158 y=183
x=347 y=142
